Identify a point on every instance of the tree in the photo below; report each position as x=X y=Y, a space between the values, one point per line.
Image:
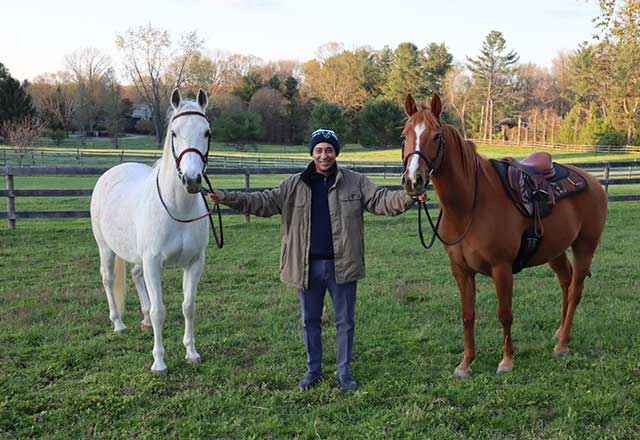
x=381 y=124
x=55 y=100
x=15 y=102
x=457 y=88
x=620 y=25
x=491 y=71
x=155 y=66
x=21 y=133
x=337 y=79
x=249 y=84
x=406 y=74
x=327 y=115
x=237 y=126
x=114 y=109
x=88 y=68
x=271 y=106
x=437 y=63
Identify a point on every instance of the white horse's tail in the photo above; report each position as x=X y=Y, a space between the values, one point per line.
x=120 y=285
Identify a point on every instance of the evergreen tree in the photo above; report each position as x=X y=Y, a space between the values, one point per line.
x=491 y=71
x=249 y=84
x=328 y=115
x=15 y=102
x=406 y=74
x=436 y=65
x=381 y=124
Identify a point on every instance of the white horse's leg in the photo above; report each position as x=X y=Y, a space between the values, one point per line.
x=145 y=305
x=151 y=270
x=190 y=282
x=107 y=263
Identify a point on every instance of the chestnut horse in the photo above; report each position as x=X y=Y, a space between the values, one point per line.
x=481 y=228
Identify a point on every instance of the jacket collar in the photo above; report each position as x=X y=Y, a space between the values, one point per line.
x=305 y=176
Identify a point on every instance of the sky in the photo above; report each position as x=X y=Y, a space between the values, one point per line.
x=36 y=35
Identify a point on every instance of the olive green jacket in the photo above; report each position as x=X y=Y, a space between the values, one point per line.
x=351 y=194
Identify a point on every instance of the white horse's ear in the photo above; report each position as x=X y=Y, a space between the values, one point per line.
x=176 y=98
x=202 y=99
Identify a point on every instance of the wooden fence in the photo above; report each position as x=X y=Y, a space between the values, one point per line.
x=609 y=173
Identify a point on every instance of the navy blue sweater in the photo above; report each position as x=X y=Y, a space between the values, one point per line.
x=321 y=247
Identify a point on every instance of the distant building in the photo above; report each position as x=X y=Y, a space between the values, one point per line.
x=141 y=112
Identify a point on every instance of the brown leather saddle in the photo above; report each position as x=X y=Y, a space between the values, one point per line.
x=535 y=184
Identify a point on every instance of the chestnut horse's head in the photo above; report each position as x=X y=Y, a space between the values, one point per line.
x=423 y=144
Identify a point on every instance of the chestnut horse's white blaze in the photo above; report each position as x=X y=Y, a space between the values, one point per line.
x=130 y=224
x=415 y=160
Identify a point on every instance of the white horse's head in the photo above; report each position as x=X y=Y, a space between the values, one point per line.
x=189 y=134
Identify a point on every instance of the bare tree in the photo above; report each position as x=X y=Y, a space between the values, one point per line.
x=21 y=134
x=88 y=68
x=457 y=86
x=155 y=66
x=54 y=99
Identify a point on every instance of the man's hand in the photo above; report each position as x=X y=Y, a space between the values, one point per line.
x=422 y=197
x=216 y=196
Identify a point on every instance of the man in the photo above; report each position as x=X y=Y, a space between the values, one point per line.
x=322 y=244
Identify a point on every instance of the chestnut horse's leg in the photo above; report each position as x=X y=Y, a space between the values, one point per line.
x=503 y=278
x=467 y=285
x=583 y=251
x=563 y=270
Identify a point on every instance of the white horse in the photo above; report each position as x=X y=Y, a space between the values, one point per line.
x=131 y=216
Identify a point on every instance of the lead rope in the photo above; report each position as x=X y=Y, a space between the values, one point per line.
x=435 y=227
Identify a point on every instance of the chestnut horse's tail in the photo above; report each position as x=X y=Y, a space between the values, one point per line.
x=120 y=286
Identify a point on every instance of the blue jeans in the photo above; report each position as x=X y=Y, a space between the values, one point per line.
x=343 y=296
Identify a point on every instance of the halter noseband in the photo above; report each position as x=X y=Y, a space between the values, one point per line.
x=432 y=165
x=203 y=157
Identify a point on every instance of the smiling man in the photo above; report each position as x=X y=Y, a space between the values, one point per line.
x=322 y=246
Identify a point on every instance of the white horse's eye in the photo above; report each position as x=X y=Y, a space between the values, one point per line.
x=207 y=133
x=173 y=133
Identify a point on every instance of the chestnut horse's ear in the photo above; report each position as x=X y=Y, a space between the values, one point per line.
x=436 y=105
x=410 y=105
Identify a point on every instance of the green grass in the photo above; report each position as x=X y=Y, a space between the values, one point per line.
x=64 y=374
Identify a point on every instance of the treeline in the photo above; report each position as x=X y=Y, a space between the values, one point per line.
x=588 y=96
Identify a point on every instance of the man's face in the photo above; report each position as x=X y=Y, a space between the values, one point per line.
x=324 y=156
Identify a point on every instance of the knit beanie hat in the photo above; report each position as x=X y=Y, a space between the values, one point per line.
x=324 y=135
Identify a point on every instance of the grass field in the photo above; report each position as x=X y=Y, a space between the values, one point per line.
x=64 y=374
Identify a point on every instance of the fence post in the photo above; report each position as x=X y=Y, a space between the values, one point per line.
x=606 y=178
x=11 y=202
x=247 y=217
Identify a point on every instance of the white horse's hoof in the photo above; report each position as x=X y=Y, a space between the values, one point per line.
x=192 y=359
x=120 y=330
x=145 y=327
x=159 y=368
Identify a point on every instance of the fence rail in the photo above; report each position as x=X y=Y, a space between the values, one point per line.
x=604 y=171
x=556 y=146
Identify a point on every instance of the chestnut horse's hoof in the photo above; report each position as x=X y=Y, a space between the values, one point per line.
x=562 y=353
x=462 y=373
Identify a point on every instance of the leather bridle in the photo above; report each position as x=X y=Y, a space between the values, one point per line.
x=203 y=191
x=433 y=167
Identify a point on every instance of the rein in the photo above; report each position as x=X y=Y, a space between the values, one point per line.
x=203 y=192
x=434 y=167
x=434 y=228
